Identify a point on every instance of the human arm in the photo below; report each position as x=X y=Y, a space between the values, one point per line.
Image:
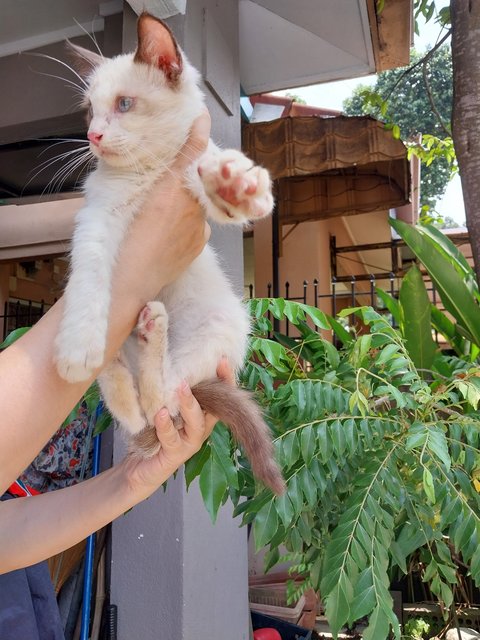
x=37 y=527
x=33 y=398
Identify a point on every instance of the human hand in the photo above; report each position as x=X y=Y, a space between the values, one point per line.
x=170 y=231
x=177 y=445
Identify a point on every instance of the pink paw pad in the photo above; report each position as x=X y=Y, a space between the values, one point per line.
x=146 y=323
x=238 y=187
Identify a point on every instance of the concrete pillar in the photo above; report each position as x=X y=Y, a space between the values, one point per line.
x=174 y=575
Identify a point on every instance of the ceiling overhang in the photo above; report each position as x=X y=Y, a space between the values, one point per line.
x=286 y=44
x=326 y=167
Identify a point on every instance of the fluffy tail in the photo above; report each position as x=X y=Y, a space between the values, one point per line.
x=239 y=411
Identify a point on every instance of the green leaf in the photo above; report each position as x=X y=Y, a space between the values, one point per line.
x=343 y=335
x=324 y=442
x=416 y=325
x=319 y=318
x=428 y=485
x=365 y=600
x=195 y=464
x=308 y=443
x=309 y=487
x=417 y=436
x=437 y=444
x=295 y=493
x=390 y=303
x=213 y=485
x=291 y=448
x=387 y=353
x=455 y=294
x=338 y=604
x=13 y=336
x=265 y=525
x=104 y=421
x=358 y=400
x=378 y=626
x=284 y=509
x=220 y=443
x=338 y=437
x=398 y=556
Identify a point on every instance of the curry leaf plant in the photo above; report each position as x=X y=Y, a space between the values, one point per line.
x=380 y=463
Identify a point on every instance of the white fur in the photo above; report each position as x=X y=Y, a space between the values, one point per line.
x=201 y=319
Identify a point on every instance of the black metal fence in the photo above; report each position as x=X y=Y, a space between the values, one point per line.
x=21 y=313
x=352 y=293
x=343 y=294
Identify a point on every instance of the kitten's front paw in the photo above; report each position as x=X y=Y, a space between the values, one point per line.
x=240 y=189
x=76 y=363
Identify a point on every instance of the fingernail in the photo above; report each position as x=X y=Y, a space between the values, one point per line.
x=163 y=413
x=185 y=389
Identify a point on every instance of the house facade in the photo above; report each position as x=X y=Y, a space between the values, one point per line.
x=172 y=573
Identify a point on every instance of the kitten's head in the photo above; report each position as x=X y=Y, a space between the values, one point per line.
x=141 y=105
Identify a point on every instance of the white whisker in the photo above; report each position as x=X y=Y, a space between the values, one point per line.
x=67 y=66
x=60 y=176
x=58 y=179
x=45 y=164
x=69 y=82
x=63 y=141
x=84 y=154
x=91 y=35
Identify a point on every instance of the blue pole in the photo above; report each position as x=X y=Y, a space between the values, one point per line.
x=89 y=552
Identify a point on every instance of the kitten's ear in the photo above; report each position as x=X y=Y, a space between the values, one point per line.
x=83 y=59
x=158 y=47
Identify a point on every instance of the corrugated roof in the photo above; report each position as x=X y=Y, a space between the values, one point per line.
x=325 y=167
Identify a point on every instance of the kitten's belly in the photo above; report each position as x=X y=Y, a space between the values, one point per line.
x=196 y=349
x=207 y=321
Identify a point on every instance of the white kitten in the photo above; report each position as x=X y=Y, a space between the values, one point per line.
x=142 y=106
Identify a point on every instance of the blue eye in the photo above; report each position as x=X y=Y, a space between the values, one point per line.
x=124 y=104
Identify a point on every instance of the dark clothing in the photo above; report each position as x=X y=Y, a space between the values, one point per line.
x=28 y=607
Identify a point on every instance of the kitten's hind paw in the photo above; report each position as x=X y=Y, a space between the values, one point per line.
x=241 y=190
x=152 y=321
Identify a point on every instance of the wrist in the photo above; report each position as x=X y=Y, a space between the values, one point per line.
x=137 y=482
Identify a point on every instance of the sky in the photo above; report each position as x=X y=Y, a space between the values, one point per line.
x=332 y=94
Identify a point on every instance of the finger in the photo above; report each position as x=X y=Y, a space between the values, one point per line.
x=225 y=371
x=207 y=232
x=167 y=434
x=196 y=143
x=192 y=415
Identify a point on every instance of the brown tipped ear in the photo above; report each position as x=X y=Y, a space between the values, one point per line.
x=83 y=60
x=158 y=47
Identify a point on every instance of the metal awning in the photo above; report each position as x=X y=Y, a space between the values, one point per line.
x=326 y=167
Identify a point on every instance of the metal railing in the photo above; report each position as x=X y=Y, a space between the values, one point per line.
x=352 y=293
x=21 y=313
x=343 y=294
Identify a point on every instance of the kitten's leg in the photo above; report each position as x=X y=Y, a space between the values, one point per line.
x=154 y=375
x=156 y=381
x=235 y=190
x=121 y=396
x=80 y=342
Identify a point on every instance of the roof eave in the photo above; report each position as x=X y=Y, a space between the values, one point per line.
x=392 y=33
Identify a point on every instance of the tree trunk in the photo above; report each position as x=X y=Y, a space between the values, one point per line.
x=465 y=16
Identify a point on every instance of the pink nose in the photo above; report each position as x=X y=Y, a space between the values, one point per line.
x=94 y=137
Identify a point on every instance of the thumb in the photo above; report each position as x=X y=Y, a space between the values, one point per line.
x=196 y=143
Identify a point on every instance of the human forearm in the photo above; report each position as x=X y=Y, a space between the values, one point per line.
x=35 y=528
